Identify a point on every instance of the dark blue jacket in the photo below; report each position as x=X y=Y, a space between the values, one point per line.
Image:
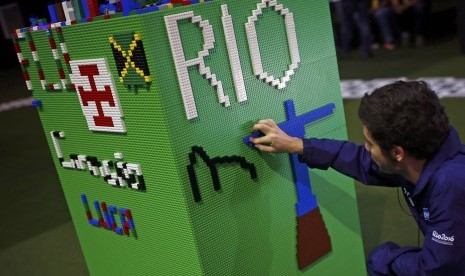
x=437 y=203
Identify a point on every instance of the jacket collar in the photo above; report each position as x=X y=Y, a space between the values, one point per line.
x=450 y=147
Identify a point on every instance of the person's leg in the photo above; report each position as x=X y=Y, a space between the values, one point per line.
x=362 y=18
x=403 y=21
x=346 y=27
x=382 y=18
x=419 y=11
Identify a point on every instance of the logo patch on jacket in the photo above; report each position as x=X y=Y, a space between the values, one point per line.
x=426 y=214
x=442 y=238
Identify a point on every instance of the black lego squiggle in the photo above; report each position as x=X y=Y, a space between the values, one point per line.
x=211 y=163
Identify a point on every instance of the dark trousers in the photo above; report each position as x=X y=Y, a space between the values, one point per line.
x=358 y=13
x=417 y=15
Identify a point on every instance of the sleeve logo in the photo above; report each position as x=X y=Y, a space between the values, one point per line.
x=442 y=238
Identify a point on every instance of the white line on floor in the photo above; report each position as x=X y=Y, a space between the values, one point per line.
x=16 y=104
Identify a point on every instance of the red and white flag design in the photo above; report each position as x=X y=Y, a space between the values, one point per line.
x=97 y=95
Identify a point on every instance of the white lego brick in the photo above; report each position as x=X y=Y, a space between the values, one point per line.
x=118 y=155
x=56 y=145
x=81 y=162
x=233 y=53
x=55 y=54
x=35 y=55
x=92 y=168
x=64 y=49
x=69 y=164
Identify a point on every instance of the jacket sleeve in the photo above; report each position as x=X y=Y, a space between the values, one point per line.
x=347 y=158
x=443 y=252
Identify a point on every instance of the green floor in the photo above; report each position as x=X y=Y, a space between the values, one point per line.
x=36 y=233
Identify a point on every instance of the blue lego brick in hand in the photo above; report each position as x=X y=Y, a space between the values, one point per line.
x=255 y=134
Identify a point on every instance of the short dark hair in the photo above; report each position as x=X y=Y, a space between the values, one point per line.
x=406 y=114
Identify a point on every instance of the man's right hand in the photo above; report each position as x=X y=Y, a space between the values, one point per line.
x=275 y=140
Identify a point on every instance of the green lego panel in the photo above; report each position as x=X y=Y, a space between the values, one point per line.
x=248 y=226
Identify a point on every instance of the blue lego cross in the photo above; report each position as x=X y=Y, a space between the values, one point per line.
x=295 y=126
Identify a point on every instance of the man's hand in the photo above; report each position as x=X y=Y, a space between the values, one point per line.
x=275 y=140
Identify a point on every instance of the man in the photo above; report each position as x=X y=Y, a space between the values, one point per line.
x=409 y=144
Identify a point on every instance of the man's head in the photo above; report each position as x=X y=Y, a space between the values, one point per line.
x=404 y=115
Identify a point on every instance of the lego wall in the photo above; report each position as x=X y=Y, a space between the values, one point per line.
x=146 y=117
